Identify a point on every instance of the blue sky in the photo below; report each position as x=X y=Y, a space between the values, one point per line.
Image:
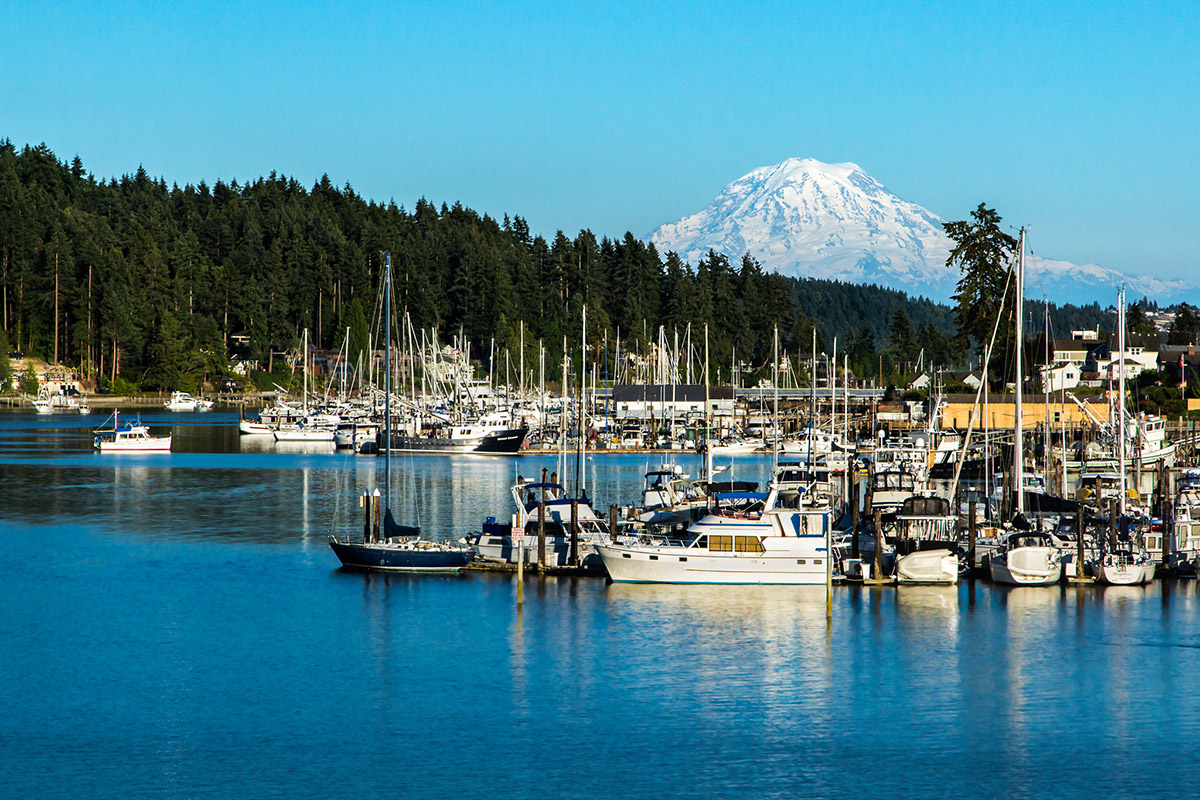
x=1082 y=123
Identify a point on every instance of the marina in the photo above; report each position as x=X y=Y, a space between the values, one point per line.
x=143 y=562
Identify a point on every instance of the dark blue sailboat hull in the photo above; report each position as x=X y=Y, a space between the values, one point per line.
x=357 y=555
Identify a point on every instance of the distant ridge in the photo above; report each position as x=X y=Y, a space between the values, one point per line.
x=806 y=218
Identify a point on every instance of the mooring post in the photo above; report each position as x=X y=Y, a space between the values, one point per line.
x=1165 y=509
x=574 y=532
x=1112 y=523
x=877 y=573
x=366 y=504
x=612 y=523
x=518 y=533
x=854 y=513
x=376 y=502
x=1079 y=544
x=541 y=565
x=972 y=532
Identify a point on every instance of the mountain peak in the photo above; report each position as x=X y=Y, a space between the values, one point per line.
x=806 y=218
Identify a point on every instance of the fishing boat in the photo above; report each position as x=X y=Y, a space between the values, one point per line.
x=400 y=548
x=133 y=438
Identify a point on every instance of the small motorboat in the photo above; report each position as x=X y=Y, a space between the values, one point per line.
x=133 y=438
x=182 y=401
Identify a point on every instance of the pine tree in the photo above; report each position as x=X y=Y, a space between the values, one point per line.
x=982 y=253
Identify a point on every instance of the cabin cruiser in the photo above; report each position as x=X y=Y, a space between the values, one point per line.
x=133 y=438
x=744 y=538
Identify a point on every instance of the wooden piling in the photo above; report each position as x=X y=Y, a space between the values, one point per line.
x=1165 y=509
x=541 y=565
x=1079 y=574
x=612 y=523
x=366 y=504
x=574 y=532
x=972 y=533
x=877 y=572
x=854 y=495
x=519 y=534
x=376 y=502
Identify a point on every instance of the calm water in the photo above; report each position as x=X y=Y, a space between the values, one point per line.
x=174 y=626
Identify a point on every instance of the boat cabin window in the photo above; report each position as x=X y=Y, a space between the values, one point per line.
x=748 y=544
x=702 y=542
x=720 y=544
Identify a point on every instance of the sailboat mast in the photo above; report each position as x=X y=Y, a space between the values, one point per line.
x=1121 y=396
x=775 y=391
x=583 y=408
x=387 y=381
x=1019 y=416
x=708 y=462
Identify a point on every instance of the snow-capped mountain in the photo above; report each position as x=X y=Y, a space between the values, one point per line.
x=807 y=218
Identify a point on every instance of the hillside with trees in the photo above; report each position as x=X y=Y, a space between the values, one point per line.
x=147 y=285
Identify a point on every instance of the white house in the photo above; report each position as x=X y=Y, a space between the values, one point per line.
x=919 y=382
x=1061 y=376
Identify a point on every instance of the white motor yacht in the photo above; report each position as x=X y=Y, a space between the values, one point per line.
x=745 y=538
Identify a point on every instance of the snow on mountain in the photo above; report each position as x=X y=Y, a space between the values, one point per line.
x=807 y=218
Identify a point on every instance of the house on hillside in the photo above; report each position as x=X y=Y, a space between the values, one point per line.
x=1061 y=376
x=1141 y=355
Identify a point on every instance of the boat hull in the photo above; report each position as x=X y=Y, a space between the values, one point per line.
x=398 y=558
x=1125 y=575
x=1026 y=566
x=501 y=443
x=928 y=566
x=159 y=445
x=303 y=435
x=688 y=565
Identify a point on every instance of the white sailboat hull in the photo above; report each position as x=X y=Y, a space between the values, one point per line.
x=1125 y=574
x=303 y=436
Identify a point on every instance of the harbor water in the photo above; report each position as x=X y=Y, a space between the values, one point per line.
x=175 y=626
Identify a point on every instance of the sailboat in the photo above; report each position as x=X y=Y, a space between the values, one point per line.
x=1026 y=558
x=401 y=547
x=311 y=427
